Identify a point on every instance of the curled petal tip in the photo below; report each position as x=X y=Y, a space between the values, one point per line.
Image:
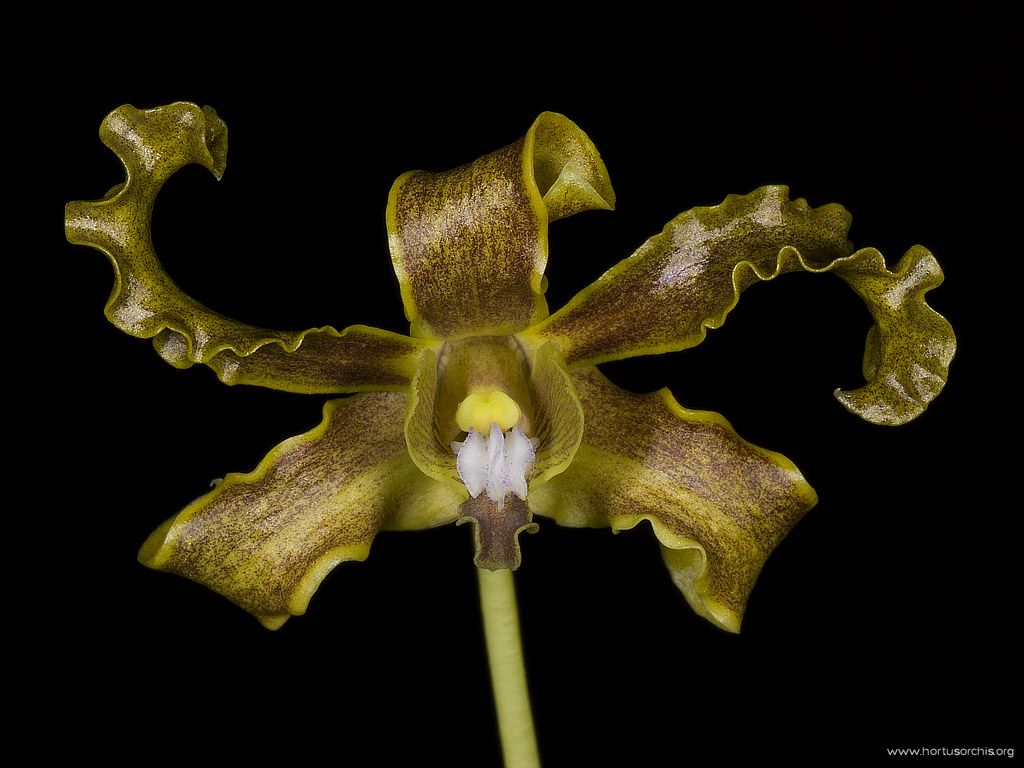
x=216 y=134
x=569 y=172
x=910 y=347
x=152 y=145
x=158 y=141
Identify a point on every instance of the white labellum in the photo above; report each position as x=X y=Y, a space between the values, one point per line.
x=497 y=463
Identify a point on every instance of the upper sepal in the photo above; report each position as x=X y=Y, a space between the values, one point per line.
x=469 y=246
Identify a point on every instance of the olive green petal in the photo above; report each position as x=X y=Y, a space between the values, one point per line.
x=717 y=504
x=469 y=246
x=688 y=278
x=910 y=347
x=327 y=361
x=266 y=539
x=435 y=459
x=153 y=144
x=560 y=421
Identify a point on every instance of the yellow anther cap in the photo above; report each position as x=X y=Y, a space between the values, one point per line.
x=481 y=409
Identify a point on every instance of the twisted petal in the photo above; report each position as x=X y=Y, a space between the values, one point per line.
x=153 y=144
x=688 y=278
x=717 y=504
x=910 y=346
x=469 y=246
x=266 y=539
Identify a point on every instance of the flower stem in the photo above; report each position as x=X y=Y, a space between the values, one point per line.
x=508 y=673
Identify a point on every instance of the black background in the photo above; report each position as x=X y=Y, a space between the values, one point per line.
x=886 y=618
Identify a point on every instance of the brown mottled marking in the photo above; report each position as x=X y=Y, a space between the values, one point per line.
x=327 y=361
x=266 y=539
x=469 y=246
x=662 y=297
x=496 y=530
x=687 y=279
x=701 y=486
x=467 y=243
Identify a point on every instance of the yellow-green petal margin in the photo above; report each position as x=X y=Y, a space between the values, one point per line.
x=436 y=460
x=717 y=504
x=560 y=420
x=153 y=144
x=469 y=246
x=327 y=361
x=266 y=539
x=687 y=279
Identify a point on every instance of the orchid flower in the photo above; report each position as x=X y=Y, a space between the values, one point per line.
x=492 y=410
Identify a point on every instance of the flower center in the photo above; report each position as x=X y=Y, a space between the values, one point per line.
x=496 y=455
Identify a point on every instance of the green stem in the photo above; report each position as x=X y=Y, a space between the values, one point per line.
x=508 y=673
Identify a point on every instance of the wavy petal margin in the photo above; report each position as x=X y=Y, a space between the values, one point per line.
x=687 y=279
x=266 y=539
x=469 y=246
x=153 y=144
x=910 y=347
x=327 y=361
x=718 y=504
